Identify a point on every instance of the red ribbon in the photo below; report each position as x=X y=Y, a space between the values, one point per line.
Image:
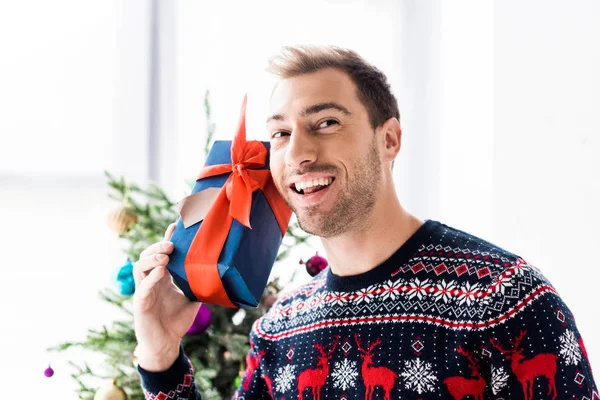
x=234 y=201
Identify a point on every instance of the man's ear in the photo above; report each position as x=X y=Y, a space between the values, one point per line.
x=392 y=135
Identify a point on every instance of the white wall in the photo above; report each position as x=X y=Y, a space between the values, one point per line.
x=514 y=132
x=547 y=145
x=58 y=89
x=57 y=86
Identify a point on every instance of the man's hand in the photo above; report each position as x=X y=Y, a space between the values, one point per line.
x=161 y=312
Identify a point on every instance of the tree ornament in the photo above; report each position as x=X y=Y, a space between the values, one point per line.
x=315 y=264
x=123 y=279
x=111 y=392
x=49 y=372
x=121 y=219
x=201 y=322
x=268 y=301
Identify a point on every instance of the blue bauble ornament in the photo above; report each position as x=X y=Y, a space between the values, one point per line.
x=123 y=279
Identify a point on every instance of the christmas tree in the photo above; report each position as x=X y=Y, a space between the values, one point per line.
x=218 y=340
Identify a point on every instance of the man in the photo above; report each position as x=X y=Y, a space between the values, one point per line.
x=408 y=308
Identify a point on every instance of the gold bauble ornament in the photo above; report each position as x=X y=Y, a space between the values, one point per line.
x=121 y=219
x=110 y=392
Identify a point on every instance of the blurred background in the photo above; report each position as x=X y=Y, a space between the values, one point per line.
x=499 y=106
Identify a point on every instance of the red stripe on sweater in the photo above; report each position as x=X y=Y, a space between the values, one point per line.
x=409 y=318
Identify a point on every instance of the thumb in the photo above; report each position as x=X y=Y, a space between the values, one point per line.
x=169 y=231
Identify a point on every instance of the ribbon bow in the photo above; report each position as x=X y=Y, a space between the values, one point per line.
x=233 y=201
x=245 y=178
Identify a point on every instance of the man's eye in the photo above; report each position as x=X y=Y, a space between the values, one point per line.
x=327 y=123
x=276 y=135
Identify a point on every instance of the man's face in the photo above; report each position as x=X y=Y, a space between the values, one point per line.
x=325 y=158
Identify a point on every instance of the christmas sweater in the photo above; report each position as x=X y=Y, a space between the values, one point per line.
x=448 y=316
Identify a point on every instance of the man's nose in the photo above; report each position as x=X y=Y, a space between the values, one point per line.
x=302 y=149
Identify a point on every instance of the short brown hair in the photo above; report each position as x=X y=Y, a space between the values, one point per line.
x=374 y=91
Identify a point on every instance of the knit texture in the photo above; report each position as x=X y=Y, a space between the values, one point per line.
x=447 y=316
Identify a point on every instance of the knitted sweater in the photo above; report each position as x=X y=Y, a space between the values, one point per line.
x=447 y=316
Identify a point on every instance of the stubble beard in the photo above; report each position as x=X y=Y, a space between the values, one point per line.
x=354 y=205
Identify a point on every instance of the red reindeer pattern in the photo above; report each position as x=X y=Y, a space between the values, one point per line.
x=459 y=386
x=374 y=376
x=527 y=370
x=315 y=378
x=252 y=363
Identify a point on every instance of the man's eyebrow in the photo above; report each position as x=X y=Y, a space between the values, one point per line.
x=276 y=117
x=315 y=108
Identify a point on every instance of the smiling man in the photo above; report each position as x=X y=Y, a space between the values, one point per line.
x=407 y=309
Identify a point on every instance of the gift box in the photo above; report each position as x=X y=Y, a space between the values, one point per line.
x=231 y=226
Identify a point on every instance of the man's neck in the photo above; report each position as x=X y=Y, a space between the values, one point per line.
x=361 y=250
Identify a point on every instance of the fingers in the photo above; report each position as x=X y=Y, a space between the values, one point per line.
x=169 y=231
x=155 y=255
x=145 y=265
x=165 y=247
x=146 y=287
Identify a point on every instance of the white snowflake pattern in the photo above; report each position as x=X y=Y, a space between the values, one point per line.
x=419 y=376
x=391 y=289
x=521 y=269
x=499 y=379
x=569 y=348
x=339 y=298
x=266 y=324
x=468 y=293
x=285 y=377
x=344 y=374
x=444 y=291
x=317 y=302
x=503 y=284
x=365 y=294
x=296 y=307
x=418 y=288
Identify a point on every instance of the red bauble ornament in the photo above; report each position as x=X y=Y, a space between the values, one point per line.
x=315 y=264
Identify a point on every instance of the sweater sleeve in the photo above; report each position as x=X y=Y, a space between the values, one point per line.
x=535 y=348
x=176 y=382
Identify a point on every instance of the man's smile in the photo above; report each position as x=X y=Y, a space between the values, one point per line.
x=308 y=186
x=310 y=189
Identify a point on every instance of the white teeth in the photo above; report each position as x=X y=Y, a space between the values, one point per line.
x=314 y=182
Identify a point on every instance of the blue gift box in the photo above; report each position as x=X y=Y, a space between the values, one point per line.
x=246 y=259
